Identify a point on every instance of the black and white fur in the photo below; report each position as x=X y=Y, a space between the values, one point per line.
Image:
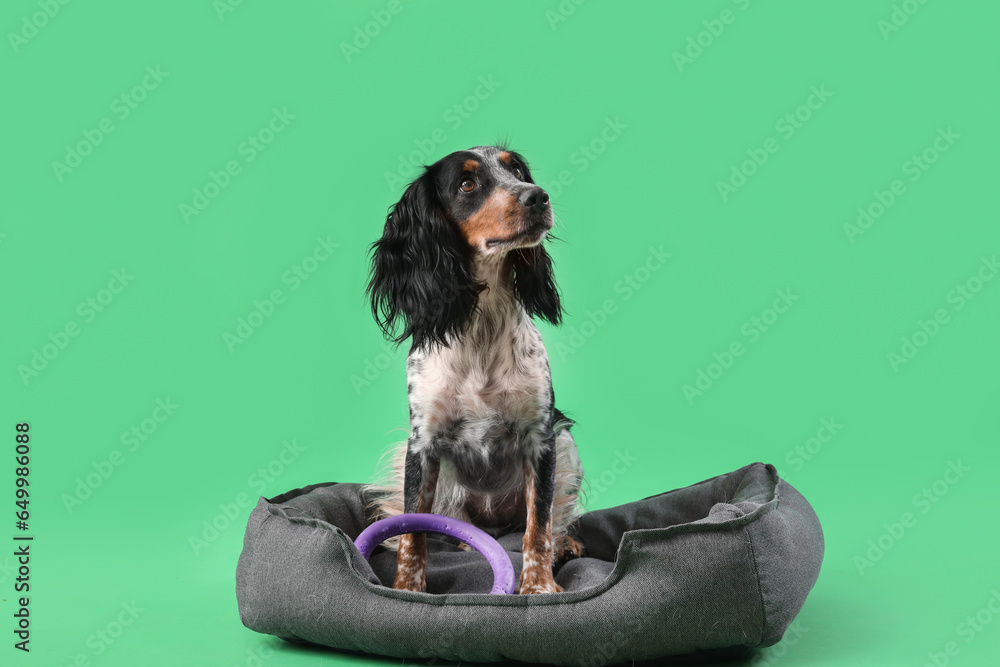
x=461 y=267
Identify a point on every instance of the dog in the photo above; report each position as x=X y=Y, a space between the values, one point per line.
x=460 y=270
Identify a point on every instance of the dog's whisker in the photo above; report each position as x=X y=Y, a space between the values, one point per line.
x=558 y=219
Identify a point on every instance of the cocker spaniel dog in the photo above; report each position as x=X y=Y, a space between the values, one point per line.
x=461 y=270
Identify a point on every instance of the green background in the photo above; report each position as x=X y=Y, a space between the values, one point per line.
x=559 y=74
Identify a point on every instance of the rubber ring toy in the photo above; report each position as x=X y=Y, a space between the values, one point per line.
x=380 y=531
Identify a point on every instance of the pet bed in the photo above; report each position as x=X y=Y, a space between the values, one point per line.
x=712 y=569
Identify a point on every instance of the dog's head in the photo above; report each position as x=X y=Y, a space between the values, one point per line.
x=488 y=195
x=471 y=203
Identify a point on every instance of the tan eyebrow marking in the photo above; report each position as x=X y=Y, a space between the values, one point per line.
x=470 y=165
x=505 y=157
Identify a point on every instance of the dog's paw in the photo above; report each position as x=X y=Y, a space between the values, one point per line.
x=408 y=586
x=535 y=580
x=567 y=549
x=540 y=587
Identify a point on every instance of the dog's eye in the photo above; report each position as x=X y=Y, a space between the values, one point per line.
x=518 y=174
x=468 y=185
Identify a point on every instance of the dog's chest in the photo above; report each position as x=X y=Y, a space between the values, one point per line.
x=484 y=397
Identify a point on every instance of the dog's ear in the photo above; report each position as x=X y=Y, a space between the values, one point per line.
x=534 y=283
x=421 y=275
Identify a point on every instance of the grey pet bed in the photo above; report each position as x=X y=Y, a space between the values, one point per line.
x=715 y=568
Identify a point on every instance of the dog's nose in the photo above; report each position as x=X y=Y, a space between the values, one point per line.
x=534 y=198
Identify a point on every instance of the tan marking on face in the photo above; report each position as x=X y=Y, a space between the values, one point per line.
x=505 y=157
x=492 y=220
x=470 y=165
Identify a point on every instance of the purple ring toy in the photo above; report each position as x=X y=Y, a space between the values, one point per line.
x=378 y=532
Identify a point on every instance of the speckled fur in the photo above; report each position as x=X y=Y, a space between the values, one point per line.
x=482 y=406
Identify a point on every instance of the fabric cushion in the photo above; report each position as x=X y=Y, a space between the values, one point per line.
x=721 y=566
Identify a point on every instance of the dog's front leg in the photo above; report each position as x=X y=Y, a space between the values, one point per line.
x=419 y=484
x=539 y=487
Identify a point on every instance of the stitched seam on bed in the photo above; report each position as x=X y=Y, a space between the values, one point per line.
x=760 y=590
x=756 y=570
x=260 y=528
x=254 y=563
